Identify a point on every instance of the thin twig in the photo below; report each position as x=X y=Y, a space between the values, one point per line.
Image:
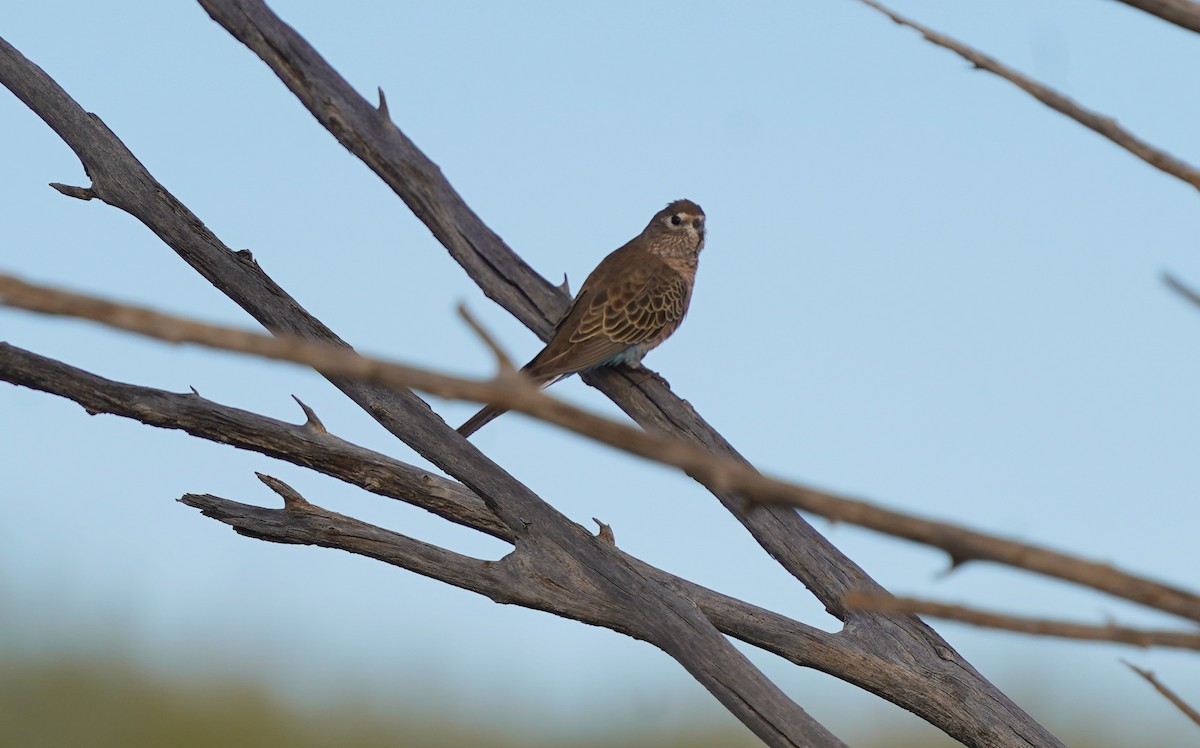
x=1181 y=288
x=1170 y=695
x=520 y=395
x=1021 y=624
x=503 y=362
x=1105 y=126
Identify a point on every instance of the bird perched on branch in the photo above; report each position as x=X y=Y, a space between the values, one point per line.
x=634 y=299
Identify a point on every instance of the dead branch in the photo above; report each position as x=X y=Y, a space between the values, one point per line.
x=365 y=131
x=1094 y=121
x=802 y=645
x=514 y=393
x=1170 y=695
x=664 y=617
x=1023 y=625
x=964 y=704
x=506 y=278
x=417 y=487
x=384 y=476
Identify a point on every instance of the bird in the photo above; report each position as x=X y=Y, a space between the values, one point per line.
x=633 y=301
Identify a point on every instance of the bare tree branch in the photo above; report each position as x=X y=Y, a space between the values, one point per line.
x=723 y=667
x=955 y=697
x=517 y=394
x=663 y=617
x=484 y=255
x=506 y=278
x=1105 y=126
x=1170 y=695
x=1183 y=13
x=366 y=132
x=1023 y=625
x=803 y=645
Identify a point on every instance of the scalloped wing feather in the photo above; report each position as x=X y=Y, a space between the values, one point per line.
x=642 y=309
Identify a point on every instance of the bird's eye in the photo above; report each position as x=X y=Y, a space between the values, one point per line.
x=696 y=223
x=676 y=220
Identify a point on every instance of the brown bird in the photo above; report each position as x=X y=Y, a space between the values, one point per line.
x=634 y=299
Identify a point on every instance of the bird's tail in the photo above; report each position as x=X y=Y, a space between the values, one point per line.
x=477 y=421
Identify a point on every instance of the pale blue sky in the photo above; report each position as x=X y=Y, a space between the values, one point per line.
x=920 y=287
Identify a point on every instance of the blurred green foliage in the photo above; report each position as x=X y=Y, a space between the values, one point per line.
x=80 y=702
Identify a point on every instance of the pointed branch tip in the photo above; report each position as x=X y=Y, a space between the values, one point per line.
x=291 y=497
x=310 y=417
x=606 y=534
x=79 y=193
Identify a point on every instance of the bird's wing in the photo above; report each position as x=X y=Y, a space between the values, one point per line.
x=643 y=306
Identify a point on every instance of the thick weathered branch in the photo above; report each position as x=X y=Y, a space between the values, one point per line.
x=368 y=133
x=302 y=445
x=517 y=580
x=1024 y=625
x=955 y=698
x=1094 y=121
x=717 y=473
x=385 y=476
x=1183 y=13
x=660 y=615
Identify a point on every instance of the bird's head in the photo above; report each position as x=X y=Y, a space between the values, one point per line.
x=679 y=226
